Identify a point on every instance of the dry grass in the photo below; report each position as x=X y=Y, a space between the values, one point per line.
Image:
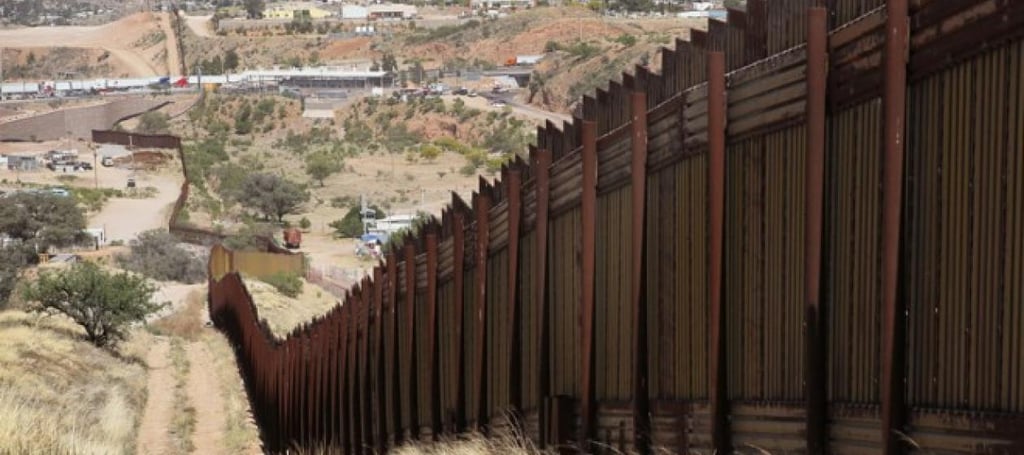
x=473 y=444
x=185 y=323
x=282 y=313
x=60 y=394
x=240 y=434
x=184 y=422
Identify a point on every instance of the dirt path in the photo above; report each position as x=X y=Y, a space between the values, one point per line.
x=125 y=218
x=200 y=25
x=205 y=394
x=115 y=37
x=173 y=57
x=156 y=419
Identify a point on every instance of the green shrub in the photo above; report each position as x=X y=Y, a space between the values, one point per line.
x=305 y=224
x=288 y=284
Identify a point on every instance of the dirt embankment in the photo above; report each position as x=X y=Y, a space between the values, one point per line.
x=135 y=46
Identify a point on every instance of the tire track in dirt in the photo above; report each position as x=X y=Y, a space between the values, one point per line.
x=205 y=394
x=154 y=437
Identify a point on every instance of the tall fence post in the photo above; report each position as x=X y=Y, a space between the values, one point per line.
x=459 y=278
x=716 y=196
x=409 y=389
x=513 y=181
x=433 y=398
x=391 y=367
x=894 y=98
x=814 y=368
x=638 y=167
x=379 y=410
x=482 y=203
x=588 y=214
x=540 y=159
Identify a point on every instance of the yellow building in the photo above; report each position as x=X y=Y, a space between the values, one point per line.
x=290 y=12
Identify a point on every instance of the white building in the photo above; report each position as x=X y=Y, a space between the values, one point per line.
x=502 y=4
x=354 y=12
x=393 y=11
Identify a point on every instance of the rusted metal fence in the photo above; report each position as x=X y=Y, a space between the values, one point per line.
x=806 y=234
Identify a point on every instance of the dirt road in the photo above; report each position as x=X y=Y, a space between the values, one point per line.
x=200 y=25
x=156 y=419
x=208 y=403
x=115 y=37
x=171 y=44
x=124 y=219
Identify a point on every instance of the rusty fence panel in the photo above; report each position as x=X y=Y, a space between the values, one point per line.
x=728 y=255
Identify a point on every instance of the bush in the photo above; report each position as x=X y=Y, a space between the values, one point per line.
x=352 y=224
x=157 y=255
x=288 y=284
x=305 y=224
x=104 y=304
x=252 y=237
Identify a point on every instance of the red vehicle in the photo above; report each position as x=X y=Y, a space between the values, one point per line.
x=292 y=238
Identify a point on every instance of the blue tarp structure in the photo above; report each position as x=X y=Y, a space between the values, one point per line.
x=366 y=238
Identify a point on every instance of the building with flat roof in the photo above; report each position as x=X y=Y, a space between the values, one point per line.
x=296 y=11
x=392 y=11
x=502 y=4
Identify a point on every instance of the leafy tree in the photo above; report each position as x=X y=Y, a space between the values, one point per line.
x=351 y=225
x=42 y=220
x=321 y=165
x=156 y=254
x=272 y=195
x=305 y=224
x=153 y=122
x=14 y=258
x=287 y=284
x=104 y=304
x=251 y=237
x=430 y=152
x=231 y=60
x=388 y=62
x=254 y=8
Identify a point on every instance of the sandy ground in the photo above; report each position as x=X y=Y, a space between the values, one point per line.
x=116 y=38
x=209 y=405
x=124 y=219
x=171 y=44
x=200 y=25
x=156 y=419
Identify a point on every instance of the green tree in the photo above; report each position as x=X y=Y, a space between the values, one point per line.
x=231 y=60
x=104 y=304
x=272 y=195
x=14 y=259
x=254 y=8
x=351 y=225
x=42 y=220
x=156 y=254
x=153 y=122
x=388 y=62
x=321 y=165
x=430 y=152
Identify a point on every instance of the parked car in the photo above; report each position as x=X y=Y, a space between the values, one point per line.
x=107 y=161
x=460 y=91
x=498 y=103
x=84 y=165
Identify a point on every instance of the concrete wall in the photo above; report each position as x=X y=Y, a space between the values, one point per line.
x=80 y=121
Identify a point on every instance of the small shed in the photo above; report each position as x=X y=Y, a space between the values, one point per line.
x=354 y=12
x=22 y=163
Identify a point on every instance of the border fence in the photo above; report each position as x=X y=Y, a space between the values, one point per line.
x=805 y=235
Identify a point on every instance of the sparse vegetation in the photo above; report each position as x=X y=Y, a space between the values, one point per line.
x=158 y=255
x=288 y=284
x=104 y=304
x=272 y=195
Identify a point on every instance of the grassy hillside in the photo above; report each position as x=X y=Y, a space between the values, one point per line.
x=401 y=154
x=60 y=394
